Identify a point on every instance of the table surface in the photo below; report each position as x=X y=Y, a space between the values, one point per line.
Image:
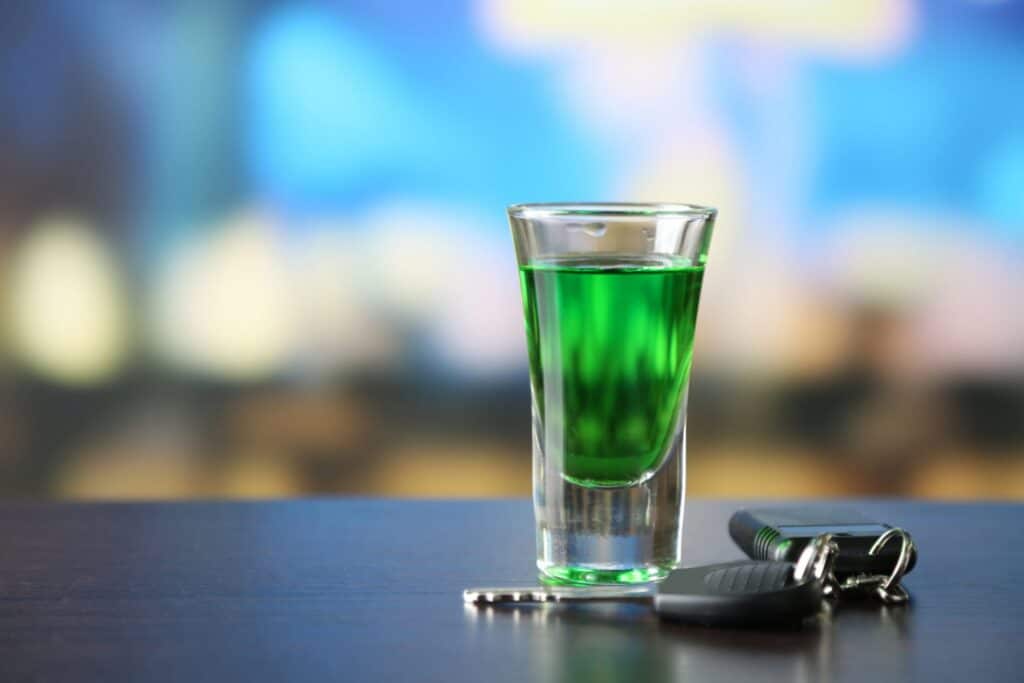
x=370 y=590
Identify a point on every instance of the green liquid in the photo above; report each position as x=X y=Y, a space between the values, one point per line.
x=610 y=344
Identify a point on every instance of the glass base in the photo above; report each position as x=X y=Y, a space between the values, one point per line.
x=571 y=575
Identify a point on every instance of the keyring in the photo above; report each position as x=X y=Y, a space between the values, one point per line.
x=816 y=562
x=889 y=590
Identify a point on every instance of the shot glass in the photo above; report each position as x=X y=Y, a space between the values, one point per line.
x=610 y=294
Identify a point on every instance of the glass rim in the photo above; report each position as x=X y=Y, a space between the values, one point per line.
x=611 y=210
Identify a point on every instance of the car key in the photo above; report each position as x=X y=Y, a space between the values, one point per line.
x=745 y=593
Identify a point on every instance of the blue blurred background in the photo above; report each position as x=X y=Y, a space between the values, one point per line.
x=259 y=248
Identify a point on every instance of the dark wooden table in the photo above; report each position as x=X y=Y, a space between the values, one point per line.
x=370 y=590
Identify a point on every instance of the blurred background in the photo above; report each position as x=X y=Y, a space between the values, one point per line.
x=258 y=248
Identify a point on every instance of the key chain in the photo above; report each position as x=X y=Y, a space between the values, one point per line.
x=865 y=552
x=886 y=588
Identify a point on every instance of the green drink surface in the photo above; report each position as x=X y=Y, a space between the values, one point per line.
x=610 y=340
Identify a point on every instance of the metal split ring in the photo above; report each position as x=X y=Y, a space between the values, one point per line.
x=816 y=562
x=889 y=589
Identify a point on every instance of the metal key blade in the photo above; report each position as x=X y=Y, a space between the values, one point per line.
x=545 y=594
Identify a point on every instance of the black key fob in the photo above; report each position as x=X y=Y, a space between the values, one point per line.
x=781 y=534
x=739 y=594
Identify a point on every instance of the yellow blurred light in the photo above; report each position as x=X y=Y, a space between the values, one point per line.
x=886 y=255
x=661 y=82
x=259 y=475
x=412 y=252
x=699 y=166
x=432 y=265
x=744 y=264
x=334 y=302
x=224 y=303
x=969 y=476
x=480 y=327
x=739 y=468
x=127 y=471
x=450 y=469
x=67 y=305
x=863 y=28
x=951 y=288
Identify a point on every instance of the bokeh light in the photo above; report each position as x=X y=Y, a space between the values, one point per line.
x=869 y=28
x=222 y=304
x=339 y=327
x=67 y=304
